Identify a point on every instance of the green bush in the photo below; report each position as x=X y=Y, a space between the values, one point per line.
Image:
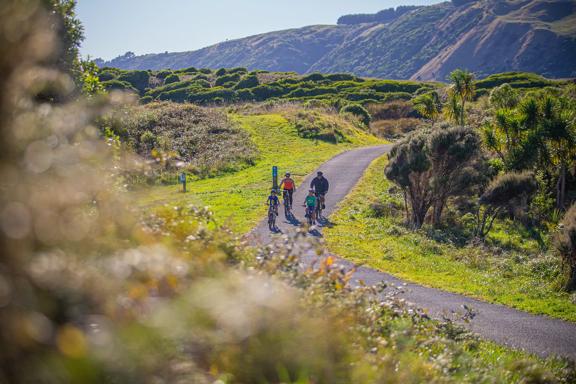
x=358 y=111
x=250 y=81
x=173 y=78
x=138 y=79
x=163 y=74
x=106 y=76
x=220 y=72
x=189 y=70
x=235 y=77
x=118 y=85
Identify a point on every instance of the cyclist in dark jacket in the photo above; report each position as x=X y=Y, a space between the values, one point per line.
x=320 y=185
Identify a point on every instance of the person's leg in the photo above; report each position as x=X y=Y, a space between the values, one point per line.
x=290 y=193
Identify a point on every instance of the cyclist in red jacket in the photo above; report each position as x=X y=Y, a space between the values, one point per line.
x=289 y=186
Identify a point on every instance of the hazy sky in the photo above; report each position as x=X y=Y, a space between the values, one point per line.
x=113 y=27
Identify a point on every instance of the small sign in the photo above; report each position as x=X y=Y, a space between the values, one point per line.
x=182 y=180
x=275 y=177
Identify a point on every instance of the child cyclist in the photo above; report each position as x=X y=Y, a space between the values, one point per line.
x=289 y=186
x=273 y=201
x=310 y=204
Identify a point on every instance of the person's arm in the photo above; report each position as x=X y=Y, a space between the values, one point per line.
x=312 y=183
x=281 y=184
x=327 y=185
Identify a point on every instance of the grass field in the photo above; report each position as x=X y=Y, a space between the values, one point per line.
x=519 y=276
x=237 y=199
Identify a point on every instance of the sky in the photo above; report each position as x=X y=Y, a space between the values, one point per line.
x=114 y=27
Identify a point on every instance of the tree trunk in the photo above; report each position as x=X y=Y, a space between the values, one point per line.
x=437 y=214
x=561 y=187
x=571 y=283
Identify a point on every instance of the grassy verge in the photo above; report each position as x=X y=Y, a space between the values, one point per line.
x=237 y=199
x=518 y=276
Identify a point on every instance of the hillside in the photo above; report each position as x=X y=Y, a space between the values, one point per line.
x=425 y=43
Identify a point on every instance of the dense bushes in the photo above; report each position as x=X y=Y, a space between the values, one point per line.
x=138 y=79
x=313 y=125
x=566 y=245
x=432 y=167
x=359 y=111
x=172 y=78
x=262 y=86
x=204 y=140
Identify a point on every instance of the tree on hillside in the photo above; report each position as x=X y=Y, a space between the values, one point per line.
x=565 y=242
x=461 y=90
x=410 y=168
x=452 y=153
x=504 y=191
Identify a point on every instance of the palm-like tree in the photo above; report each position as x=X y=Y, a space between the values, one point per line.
x=463 y=88
x=428 y=105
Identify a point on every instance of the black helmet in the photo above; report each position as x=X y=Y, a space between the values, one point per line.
x=287 y=174
x=319 y=173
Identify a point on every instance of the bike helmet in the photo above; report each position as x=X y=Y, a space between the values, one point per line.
x=311 y=191
x=287 y=174
x=320 y=173
x=273 y=191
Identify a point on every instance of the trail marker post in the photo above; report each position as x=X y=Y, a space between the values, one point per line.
x=275 y=177
x=182 y=180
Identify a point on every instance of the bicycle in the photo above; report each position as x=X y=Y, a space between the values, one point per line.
x=319 y=205
x=287 y=206
x=272 y=218
x=309 y=213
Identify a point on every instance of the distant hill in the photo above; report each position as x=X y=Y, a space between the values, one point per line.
x=421 y=43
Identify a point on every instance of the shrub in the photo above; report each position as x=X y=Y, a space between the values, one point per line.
x=504 y=191
x=146 y=99
x=250 y=81
x=504 y=97
x=189 y=70
x=118 y=85
x=106 y=76
x=565 y=242
x=148 y=140
x=358 y=111
x=392 y=110
x=204 y=139
x=138 y=79
x=163 y=74
x=173 y=78
x=315 y=77
x=238 y=70
x=235 y=77
x=313 y=125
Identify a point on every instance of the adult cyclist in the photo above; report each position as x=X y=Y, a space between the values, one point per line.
x=289 y=186
x=320 y=185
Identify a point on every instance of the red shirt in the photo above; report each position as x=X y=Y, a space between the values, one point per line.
x=288 y=183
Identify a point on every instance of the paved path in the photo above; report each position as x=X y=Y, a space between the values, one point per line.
x=541 y=335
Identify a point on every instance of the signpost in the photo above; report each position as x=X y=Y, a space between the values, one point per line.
x=182 y=180
x=275 y=177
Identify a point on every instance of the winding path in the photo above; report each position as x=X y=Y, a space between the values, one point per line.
x=540 y=335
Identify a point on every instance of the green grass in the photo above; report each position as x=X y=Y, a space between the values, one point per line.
x=238 y=199
x=518 y=275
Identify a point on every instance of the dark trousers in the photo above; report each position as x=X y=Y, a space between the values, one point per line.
x=289 y=193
